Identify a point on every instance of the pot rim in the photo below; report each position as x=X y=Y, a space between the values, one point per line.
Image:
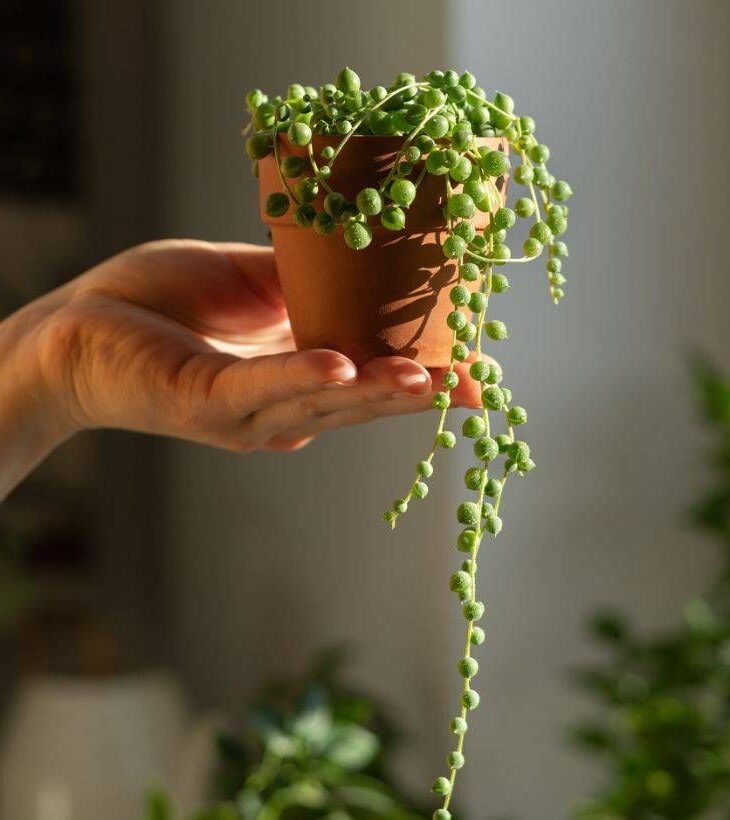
x=282 y=136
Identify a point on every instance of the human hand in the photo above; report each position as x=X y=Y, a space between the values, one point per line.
x=191 y=339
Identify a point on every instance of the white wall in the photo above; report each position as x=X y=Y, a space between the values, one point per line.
x=272 y=555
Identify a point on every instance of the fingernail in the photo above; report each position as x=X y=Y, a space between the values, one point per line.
x=343 y=374
x=414 y=383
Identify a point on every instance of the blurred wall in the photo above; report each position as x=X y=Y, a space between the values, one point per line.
x=46 y=239
x=269 y=556
x=120 y=127
x=272 y=555
x=631 y=96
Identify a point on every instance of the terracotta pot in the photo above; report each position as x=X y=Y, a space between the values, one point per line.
x=390 y=298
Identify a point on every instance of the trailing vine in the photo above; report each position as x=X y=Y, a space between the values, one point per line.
x=442 y=118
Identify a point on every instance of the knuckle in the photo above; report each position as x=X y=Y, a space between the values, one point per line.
x=234 y=441
x=258 y=374
x=247 y=437
x=310 y=407
x=63 y=358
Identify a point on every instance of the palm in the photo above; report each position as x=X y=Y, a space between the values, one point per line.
x=190 y=339
x=213 y=292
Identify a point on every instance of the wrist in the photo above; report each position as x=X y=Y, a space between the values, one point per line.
x=33 y=421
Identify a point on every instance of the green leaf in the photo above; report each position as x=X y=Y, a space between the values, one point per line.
x=352 y=747
x=354 y=709
x=157 y=806
x=369 y=799
x=714 y=391
x=271 y=733
x=249 y=804
x=609 y=626
x=300 y=795
x=592 y=736
x=265 y=722
x=231 y=749
x=599 y=681
x=699 y=616
x=283 y=746
x=313 y=723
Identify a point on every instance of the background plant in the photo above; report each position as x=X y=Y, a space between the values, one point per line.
x=441 y=118
x=317 y=749
x=664 y=732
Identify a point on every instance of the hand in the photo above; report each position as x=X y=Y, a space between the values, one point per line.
x=191 y=339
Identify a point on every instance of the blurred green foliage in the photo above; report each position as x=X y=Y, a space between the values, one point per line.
x=318 y=750
x=664 y=730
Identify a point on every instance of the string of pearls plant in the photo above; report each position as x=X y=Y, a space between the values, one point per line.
x=440 y=118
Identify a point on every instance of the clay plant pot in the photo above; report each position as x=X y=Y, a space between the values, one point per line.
x=390 y=298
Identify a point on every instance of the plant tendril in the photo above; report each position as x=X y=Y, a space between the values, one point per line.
x=443 y=120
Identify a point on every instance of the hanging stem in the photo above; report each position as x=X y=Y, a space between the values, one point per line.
x=475 y=258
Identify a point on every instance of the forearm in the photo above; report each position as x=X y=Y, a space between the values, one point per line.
x=29 y=427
